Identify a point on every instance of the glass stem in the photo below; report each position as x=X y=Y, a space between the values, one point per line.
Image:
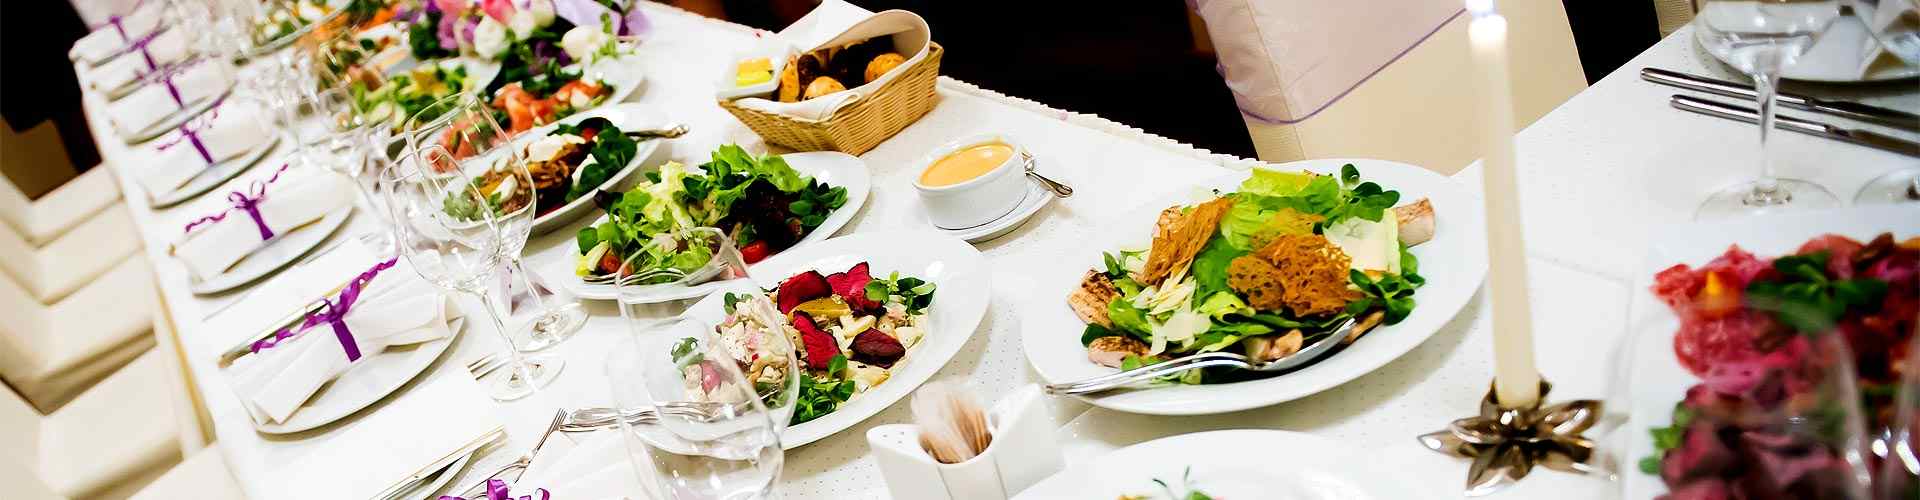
x=1913 y=188
x=1766 y=188
x=520 y=367
x=539 y=302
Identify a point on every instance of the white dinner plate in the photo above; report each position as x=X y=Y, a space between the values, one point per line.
x=1845 y=53
x=179 y=116
x=1651 y=376
x=215 y=175
x=1234 y=464
x=962 y=286
x=629 y=117
x=285 y=248
x=556 y=263
x=364 y=384
x=623 y=73
x=1454 y=263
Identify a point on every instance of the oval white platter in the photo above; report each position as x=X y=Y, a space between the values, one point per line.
x=962 y=287
x=1231 y=464
x=1454 y=263
x=368 y=382
x=556 y=263
x=1650 y=378
x=286 y=248
x=629 y=117
x=214 y=176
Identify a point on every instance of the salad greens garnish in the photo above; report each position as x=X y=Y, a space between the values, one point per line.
x=1667 y=438
x=914 y=292
x=821 y=395
x=1186 y=491
x=1805 y=298
x=611 y=151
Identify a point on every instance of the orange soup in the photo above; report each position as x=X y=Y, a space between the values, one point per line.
x=966 y=164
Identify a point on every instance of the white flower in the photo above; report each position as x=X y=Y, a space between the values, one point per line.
x=522 y=24
x=579 y=100
x=582 y=42
x=547 y=148
x=490 y=38
x=542 y=12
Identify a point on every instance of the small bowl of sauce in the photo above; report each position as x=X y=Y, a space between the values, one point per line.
x=971 y=181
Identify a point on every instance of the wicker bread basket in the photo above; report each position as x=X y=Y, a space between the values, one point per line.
x=859 y=126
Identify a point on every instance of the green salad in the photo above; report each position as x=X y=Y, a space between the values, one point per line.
x=405 y=94
x=760 y=202
x=1262 y=271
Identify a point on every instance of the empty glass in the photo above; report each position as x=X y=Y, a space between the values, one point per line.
x=1896 y=24
x=713 y=438
x=465 y=126
x=1759 y=38
x=445 y=235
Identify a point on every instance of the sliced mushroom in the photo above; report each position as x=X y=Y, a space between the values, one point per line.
x=1367 y=323
x=1090 y=301
x=1110 y=351
x=1271 y=347
x=1416 y=222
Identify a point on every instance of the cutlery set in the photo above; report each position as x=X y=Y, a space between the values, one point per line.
x=1891 y=118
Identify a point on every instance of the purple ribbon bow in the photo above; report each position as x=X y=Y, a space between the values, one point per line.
x=334 y=313
x=165 y=75
x=497 y=490
x=248 y=202
x=190 y=132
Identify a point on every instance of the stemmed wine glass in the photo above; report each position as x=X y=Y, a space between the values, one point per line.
x=1896 y=24
x=465 y=126
x=713 y=439
x=1759 y=38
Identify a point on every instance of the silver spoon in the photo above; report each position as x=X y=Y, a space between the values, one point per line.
x=1059 y=190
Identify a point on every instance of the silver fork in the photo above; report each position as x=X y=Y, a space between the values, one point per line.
x=525 y=460
x=1127 y=378
x=593 y=419
x=666 y=272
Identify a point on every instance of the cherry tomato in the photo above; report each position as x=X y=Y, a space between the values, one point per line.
x=755 y=251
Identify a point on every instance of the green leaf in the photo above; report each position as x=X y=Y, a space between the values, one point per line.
x=837 y=365
x=586 y=239
x=1129 y=319
x=1094 y=331
x=1210 y=266
x=1349 y=174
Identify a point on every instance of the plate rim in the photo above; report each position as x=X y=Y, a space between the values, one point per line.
x=333 y=221
x=1088 y=470
x=442 y=344
x=251 y=158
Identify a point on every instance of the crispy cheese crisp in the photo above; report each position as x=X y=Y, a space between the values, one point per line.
x=1304 y=273
x=1174 y=250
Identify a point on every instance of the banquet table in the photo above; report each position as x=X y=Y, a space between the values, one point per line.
x=1597 y=175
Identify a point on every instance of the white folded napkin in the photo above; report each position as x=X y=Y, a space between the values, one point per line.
x=226 y=131
x=908 y=31
x=291 y=198
x=437 y=418
x=589 y=466
x=292 y=289
x=148 y=56
x=388 y=306
x=156 y=100
x=119 y=31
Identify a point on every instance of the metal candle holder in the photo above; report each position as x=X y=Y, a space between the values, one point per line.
x=1506 y=443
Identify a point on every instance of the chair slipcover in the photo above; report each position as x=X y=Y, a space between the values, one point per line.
x=42 y=220
x=50 y=353
x=53 y=271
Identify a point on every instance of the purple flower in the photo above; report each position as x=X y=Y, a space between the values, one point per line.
x=431 y=8
x=448 y=38
x=466 y=30
x=544 y=51
x=635 y=23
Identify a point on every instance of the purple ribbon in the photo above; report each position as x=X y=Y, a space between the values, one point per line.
x=190 y=132
x=141 y=45
x=497 y=490
x=122 y=29
x=248 y=202
x=334 y=313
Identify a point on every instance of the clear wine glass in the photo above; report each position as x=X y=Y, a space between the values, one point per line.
x=450 y=240
x=465 y=126
x=1896 y=24
x=1760 y=38
x=713 y=439
x=1899 y=445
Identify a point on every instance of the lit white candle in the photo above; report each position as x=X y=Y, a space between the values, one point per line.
x=1516 y=380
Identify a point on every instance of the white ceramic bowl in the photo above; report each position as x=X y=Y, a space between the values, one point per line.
x=979 y=200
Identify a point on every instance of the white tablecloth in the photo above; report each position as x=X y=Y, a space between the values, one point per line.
x=1598 y=173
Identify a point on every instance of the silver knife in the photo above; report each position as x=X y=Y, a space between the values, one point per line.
x=1844 y=109
x=1862 y=137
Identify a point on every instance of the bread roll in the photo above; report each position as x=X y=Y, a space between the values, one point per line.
x=823 y=86
x=883 y=63
x=790 y=82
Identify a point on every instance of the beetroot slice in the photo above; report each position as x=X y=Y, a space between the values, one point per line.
x=876 y=348
x=851 y=286
x=801 y=288
x=820 y=346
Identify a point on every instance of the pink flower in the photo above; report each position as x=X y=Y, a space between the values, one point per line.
x=452 y=6
x=499 y=10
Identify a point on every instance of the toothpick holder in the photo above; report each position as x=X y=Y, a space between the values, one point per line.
x=1023 y=452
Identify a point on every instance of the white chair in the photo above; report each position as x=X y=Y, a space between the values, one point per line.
x=1420 y=108
x=108 y=442
x=50 y=353
x=203 y=476
x=42 y=220
x=1672 y=14
x=52 y=272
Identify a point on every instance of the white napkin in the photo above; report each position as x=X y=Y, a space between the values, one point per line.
x=909 y=32
x=396 y=308
x=595 y=467
x=153 y=101
x=105 y=40
x=230 y=129
x=413 y=429
x=299 y=196
x=167 y=47
x=290 y=290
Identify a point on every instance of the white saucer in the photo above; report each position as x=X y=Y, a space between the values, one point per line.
x=1037 y=198
x=215 y=175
